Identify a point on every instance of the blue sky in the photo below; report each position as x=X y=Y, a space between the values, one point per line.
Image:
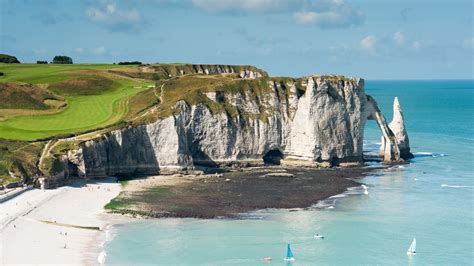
x=375 y=39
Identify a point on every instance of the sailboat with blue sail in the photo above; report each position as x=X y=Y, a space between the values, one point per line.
x=289 y=254
x=412 y=249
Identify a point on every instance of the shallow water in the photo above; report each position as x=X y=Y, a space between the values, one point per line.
x=430 y=199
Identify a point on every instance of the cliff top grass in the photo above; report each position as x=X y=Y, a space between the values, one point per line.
x=39 y=102
x=159 y=72
x=192 y=89
x=45 y=101
x=69 y=99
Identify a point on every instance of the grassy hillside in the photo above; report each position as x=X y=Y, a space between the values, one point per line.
x=41 y=102
x=46 y=74
x=93 y=98
x=25 y=96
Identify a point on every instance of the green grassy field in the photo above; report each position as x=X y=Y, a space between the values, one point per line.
x=83 y=112
x=42 y=74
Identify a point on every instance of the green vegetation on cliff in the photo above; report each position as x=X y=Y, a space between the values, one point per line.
x=42 y=102
x=20 y=159
x=9 y=59
x=193 y=88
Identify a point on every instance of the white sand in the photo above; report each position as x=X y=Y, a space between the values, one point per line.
x=26 y=239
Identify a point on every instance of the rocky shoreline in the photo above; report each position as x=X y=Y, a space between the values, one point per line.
x=233 y=193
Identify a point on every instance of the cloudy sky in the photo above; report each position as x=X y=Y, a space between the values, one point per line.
x=375 y=39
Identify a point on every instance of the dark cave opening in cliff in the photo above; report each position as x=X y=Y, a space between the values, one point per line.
x=273 y=157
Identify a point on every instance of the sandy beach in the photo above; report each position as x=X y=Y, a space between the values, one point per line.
x=68 y=225
x=58 y=226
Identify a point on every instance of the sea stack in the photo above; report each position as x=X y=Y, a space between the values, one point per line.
x=397 y=126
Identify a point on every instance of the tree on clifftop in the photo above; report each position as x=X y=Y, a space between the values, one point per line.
x=62 y=59
x=4 y=58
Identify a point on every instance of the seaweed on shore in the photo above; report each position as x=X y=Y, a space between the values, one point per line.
x=230 y=194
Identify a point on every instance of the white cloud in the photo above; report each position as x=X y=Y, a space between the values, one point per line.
x=399 y=38
x=368 y=43
x=113 y=17
x=79 y=50
x=99 y=50
x=110 y=13
x=243 y=5
x=323 y=13
x=330 y=14
x=306 y=17
x=468 y=43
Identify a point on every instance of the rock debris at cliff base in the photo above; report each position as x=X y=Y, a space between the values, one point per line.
x=230 y=194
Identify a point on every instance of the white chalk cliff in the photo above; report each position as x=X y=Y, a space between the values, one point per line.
x=398 y=128
x=320 y=126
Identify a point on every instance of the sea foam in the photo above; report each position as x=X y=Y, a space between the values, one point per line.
x=453 y=186
x=101 y=257
x=428 y=154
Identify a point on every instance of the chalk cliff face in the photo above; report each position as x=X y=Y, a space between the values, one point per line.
x=321 y=126
x=165 y=71
x=397 y=126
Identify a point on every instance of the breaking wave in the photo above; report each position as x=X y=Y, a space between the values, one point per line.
x=453 y=186
x=330 y=202
x=101 y=258
x=428 y=154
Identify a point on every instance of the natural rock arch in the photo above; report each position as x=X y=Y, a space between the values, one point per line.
x=395 y=144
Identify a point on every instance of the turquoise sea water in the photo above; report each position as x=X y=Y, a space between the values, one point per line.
x=430 y=199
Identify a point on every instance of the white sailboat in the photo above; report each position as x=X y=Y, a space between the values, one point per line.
x=412 y=249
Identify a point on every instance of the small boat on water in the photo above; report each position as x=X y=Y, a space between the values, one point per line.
x=318 y=236
x=267 y=259
x=289 y=254
x=412 y=249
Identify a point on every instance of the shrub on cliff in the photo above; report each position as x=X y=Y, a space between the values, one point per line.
x=62 y=59
x=4 y=58
x=130 y=63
